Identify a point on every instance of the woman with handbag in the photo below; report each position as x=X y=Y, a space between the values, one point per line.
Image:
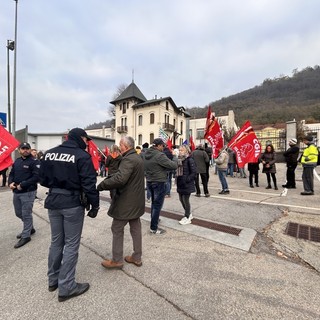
x=268 y=159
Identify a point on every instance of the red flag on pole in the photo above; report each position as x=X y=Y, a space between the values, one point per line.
x=8 y=143
x=94 y=152
x=246 y=145
x=213 y=133
x=192 y=145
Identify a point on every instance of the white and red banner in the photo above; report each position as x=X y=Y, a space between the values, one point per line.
x=8 y=143
x=246 y=145
x=213 y=133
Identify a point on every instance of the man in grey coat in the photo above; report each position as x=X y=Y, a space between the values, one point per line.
x=127 y=204
x=156 y=166
x=202 y=160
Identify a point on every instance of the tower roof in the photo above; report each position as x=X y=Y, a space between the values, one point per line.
x=132 y=91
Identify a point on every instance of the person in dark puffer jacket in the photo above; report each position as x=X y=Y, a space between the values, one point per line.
x=185 y=176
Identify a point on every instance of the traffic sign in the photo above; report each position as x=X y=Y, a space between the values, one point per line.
x=3 y=119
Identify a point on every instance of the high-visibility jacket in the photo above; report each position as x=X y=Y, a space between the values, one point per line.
x=310 y=156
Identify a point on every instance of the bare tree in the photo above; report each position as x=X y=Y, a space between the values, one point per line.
x=111 y=108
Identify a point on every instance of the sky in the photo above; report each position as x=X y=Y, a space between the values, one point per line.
x=73 y=55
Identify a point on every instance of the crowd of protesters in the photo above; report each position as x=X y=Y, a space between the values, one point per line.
x=131 y=174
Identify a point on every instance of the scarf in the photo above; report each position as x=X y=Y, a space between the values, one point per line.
x=179 y=171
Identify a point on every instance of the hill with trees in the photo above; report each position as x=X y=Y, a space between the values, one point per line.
x=276 y=100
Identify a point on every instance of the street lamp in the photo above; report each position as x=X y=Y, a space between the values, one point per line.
x=14 y=73
x=10 y=46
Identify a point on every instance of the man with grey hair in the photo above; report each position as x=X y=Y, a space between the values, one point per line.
x=127 y=205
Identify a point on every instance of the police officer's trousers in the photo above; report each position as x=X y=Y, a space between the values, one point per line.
x=23 y=204
x=66 y=228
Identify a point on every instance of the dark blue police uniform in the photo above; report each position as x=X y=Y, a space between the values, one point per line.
x=25 y=174
x=67 y=170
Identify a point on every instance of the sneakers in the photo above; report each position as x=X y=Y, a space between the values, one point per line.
x=129 y=259
x=198 y=195
x=190 y=216
x=207 y=195
x=251 y=186
x=185 y=220
x=224 y=192
x=158 y=231
x=307 y=193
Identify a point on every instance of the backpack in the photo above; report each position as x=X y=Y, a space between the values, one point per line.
x=318 y=162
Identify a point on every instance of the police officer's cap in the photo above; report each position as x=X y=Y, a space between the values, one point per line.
x=78 y=132
x=24 y=145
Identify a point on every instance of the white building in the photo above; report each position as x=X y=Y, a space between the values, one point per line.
x=142 y=119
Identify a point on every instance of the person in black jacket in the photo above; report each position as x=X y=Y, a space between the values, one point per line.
x=67 y=170
x=291 y=156
x=23 y=180
x=185 y=176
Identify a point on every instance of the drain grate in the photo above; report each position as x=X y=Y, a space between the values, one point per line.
x=301 y=231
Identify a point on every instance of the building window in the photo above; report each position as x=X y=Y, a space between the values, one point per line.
x=167 y=105
x=181 y=127
x=140 y=139
x=123 y=122
x=151 y=138
x=166 y=118
x=200 y=133
x=151 y=118
x=124 y=108
x=140 y=120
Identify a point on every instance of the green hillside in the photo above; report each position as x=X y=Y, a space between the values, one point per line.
x=275 y=100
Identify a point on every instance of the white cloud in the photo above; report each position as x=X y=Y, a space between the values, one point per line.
x=72 y=57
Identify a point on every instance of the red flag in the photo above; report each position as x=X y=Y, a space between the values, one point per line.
x=106 y=151
x=8 y=144
x=246 y=128
x=192 y=145
x=213 y=133
x=7 y=162
x=94 y=152
x=169 y=143
x=246 y=145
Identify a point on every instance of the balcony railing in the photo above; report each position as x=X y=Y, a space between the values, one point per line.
x=168 y=127
x=122 y=129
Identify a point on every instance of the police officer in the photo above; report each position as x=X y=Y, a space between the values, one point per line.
x=68 y=172
x=23 y=180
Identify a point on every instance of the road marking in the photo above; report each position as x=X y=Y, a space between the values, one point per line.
x=267 y=203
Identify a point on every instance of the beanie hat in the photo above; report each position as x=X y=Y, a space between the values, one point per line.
x=293 y=141
x=76 y=135
x=308 y=138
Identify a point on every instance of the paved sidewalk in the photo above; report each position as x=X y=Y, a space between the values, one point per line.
x=184 y=276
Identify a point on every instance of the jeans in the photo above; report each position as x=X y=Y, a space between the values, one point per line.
x=117 y=229
x=169 y=183
x=66 y=228
x=222 y=177
x=230 y=169
x=158 y=192
x=23 y=204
